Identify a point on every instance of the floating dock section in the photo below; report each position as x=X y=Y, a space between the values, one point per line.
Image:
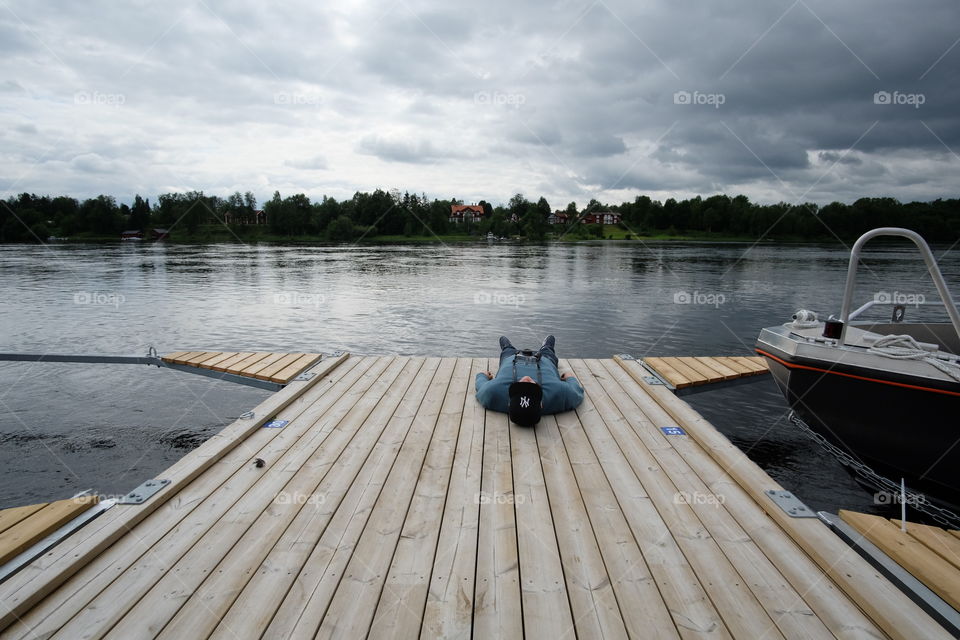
x=377 y=499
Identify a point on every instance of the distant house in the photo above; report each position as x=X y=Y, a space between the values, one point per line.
x=601 y=217
x=558 y=217
x=465 y=213
x=133 y=234
x=243 y=217
x=160 y=234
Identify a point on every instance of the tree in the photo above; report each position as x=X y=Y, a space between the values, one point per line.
x=139 y=214
x=341 y=230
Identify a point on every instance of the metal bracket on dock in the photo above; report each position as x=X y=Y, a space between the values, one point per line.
x=791 y=504
x=144 y=492
x=306 y=375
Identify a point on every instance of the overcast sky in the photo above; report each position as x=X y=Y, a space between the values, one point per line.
x=802 y=100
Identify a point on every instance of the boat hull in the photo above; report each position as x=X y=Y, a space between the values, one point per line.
x=899 y=426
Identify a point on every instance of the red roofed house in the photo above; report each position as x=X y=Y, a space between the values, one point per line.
x=466 y=213
x=558 y=217
x=602 y=217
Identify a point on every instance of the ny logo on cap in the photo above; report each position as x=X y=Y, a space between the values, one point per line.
x=524 y=402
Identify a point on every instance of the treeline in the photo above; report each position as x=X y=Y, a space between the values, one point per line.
x=31 y=218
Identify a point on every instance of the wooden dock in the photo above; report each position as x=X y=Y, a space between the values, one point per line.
x=684 y=372
x=390 y=505
x=280 y=368
x=930 y=554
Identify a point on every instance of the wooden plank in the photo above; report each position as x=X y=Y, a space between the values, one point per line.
x=666 y=371
x=719 y=367
x=288 y=519
x=227 y=364
x=546 y=605
x=249 y=361
x=935 y=539
x=144 y=598
x=955 y=533
x=497 y=605
x=185 y=356
x=739 y=607
x=690 y=374
x=754 y=363
x=212 y=362
x=911 y=554
x=203 y=357
x=692 y=610
x=13 y=515
x=31 y=584
x=778 y=598
x=740 y=368
x=171 y=357
x=292 y=569
x=400 y=608
x=199 y=504
x=28 y=531
x=352 y=606
x=252 y=369
x=593 y=603
x=268 y=372
x=841 y=616
x=642 y=603
x=886 y=605
x=448 y=612
x=295 y=368
x=705 y=370
x=306 y=601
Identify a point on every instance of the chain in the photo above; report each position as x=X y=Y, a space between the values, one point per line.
x=915 y=500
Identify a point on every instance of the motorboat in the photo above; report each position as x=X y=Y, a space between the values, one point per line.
x=885 y=396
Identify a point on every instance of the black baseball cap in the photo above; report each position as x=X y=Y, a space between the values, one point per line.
x=525 y=403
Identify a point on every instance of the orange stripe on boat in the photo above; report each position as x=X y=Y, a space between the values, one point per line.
x=790 y=365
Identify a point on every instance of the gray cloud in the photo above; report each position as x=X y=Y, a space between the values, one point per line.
x=773 y=99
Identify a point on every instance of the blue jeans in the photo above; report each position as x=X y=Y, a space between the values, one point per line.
x=547 y=352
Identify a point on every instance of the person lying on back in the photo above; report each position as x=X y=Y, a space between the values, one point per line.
x=528 y=384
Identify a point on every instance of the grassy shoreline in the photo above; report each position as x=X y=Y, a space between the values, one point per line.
x=611 y=233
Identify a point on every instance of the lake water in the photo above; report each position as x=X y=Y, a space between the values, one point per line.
x=65 y=427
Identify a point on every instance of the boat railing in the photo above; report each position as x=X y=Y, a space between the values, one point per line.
x=866 y=306
x=929 y=260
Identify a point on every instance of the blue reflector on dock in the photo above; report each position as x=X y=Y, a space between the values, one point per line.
x=673 y=431
x=276 y=424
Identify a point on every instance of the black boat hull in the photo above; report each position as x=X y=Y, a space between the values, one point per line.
x=899 y=428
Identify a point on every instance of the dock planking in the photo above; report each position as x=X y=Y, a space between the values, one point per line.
x=392 y=505
x=280 y=368
x=683 y=372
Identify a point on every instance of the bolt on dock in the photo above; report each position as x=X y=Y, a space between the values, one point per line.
x=376 y=498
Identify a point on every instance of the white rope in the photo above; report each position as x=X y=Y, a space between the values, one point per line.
x=804 y=319
x=904 y=347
